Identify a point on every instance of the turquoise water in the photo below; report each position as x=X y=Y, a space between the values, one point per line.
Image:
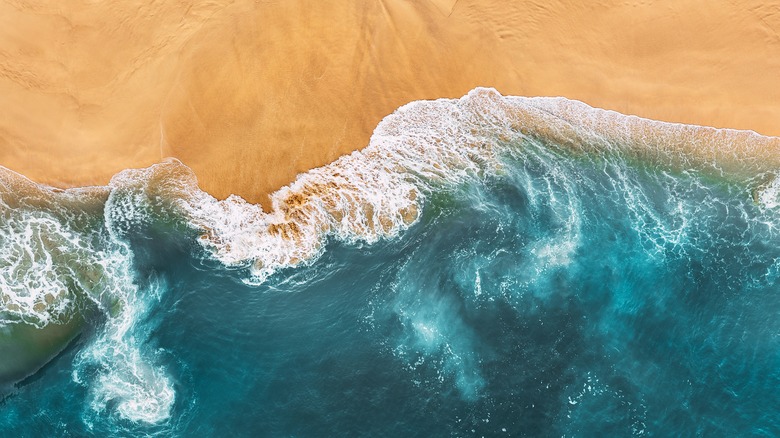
x=558 y=294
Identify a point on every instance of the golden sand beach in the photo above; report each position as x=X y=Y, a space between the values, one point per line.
x=251 y=93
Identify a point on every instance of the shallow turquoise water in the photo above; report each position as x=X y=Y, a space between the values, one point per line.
x=563 y=296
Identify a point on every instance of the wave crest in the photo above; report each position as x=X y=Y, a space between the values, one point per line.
x=426 y=146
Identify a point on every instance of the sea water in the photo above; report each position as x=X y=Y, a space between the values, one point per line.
x=478 y=270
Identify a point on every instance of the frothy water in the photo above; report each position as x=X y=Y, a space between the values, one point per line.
x=429 y=146
x=486 y=266
x=65 y=258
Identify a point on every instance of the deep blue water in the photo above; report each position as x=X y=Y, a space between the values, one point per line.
x=565 y=296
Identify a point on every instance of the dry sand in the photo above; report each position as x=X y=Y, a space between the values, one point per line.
x=250 y=93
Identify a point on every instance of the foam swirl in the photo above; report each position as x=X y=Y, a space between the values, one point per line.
x=63 y=256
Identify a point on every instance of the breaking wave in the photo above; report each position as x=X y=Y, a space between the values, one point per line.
x=430 y=146
x=70 y=252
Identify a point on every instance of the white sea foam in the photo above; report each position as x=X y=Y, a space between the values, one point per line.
x=49 y=262
x=140 y=391
x=768 y=195
x=364 y=196
x=32 y=288
x=427 y=146
x=60 y=254
x=127 y=378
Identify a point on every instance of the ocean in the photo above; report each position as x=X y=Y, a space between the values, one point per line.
x=487 y=266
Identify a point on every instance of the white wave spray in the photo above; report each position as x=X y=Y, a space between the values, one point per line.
x=427 y=146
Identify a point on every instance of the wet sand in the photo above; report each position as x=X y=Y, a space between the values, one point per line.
x=249 y=94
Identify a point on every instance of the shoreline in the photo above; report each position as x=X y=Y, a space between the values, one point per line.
x=336 y=199
x=251 y=95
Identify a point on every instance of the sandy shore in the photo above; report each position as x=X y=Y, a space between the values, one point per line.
x=249 y=93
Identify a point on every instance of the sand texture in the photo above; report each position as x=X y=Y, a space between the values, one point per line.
x=251 y=93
